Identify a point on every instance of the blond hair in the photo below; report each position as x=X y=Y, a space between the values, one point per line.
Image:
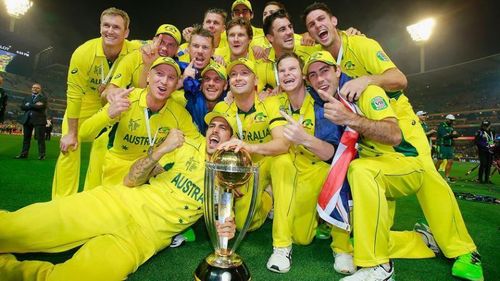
x=116 y=12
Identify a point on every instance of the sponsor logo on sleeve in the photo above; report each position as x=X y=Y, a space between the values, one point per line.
x=378 y=103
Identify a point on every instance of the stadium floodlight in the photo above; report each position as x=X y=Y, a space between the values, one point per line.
x=420 y=33
x=16 y=9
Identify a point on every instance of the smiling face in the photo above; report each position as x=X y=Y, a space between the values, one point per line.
x=212 y=85
x=238 y=40
x=324 y=78
x=281 y=35
x=200 y=49
x=290 y=74
x=162 y=81
x=242 y=80
x=218 y=131
x=113 y=30
x=322 y=27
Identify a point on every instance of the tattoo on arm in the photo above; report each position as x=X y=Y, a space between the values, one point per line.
x=141 y=171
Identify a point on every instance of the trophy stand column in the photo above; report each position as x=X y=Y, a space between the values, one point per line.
x=226 y=171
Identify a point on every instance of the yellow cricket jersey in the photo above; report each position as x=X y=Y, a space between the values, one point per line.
x=364 y=56
x=308 y=120
x=374 y=105
x=128 y=138
x=177 y=195
x=88 y=70
x=257 y=123
x=178 y=97
x=128 y=71
x=267 y=70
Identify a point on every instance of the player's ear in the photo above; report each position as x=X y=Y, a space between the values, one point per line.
x=335 y=21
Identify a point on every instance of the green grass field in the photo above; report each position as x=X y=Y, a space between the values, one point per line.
x=23 y=182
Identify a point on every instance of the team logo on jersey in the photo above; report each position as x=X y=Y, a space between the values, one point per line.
x=74 y=71
x=133 y=124
x=378 y=103
x=307 y=123
x=98 y=69
x=117 y=76
x=192 y=164
x=163 y=130
x=260 y=117
x=382 y=56
x=349 y=65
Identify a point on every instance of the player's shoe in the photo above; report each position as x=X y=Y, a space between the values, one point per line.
x=427 y=236
x=344 y=263
x=187 y=236
x=281 y=259
x=323 y=231
x=468 y=267
x=376 y=273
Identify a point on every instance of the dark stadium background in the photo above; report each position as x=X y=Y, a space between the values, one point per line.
x=462 y=77
x=466 y=30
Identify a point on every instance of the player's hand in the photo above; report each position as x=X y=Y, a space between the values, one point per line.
x=226 y=229
x=352 y=90
x=264 y=94
x=260 y=53
x=219 y=59
x=150 y=51
x=307 y=40
x=238 y=193
x=114 y=93
x=235 y=145
x=337 y=112
x=120 y=102
x=353 y=31
x=68 y=142
x=432 y=131
x=186 y=33
x=294 y=131
x=39 y=103
x=190 y=71
x=174 y=140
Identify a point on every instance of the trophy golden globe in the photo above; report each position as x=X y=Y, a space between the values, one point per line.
x=226 y=171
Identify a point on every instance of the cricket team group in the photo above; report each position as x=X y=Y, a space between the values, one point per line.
x=156 y=110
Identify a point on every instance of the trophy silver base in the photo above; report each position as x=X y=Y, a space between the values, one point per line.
x=222 y=268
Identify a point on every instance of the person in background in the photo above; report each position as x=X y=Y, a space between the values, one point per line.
x=484 y=140
x=445 y=135
x=3 y=101
x=48 y=128
x=34 y=107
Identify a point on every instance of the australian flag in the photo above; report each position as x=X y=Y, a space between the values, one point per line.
x=335 y=199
